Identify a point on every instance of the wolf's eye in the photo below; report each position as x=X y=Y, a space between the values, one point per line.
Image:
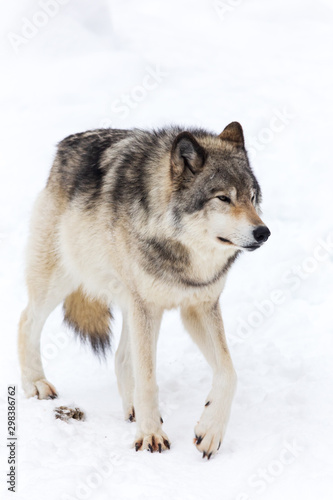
x=225 y=199
x=253 y=199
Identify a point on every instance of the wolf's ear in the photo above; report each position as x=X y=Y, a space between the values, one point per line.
x=186 y=155
x=233 y=133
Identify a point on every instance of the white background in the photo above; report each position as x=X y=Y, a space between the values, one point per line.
x=269 y=66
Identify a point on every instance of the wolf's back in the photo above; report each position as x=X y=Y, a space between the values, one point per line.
x=78 y=167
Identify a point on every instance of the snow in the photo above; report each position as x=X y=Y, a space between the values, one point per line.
x=269 y=66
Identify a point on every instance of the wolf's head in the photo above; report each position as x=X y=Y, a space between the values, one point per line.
x=216 y=196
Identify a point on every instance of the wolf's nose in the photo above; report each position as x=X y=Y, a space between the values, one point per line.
x=261 y=234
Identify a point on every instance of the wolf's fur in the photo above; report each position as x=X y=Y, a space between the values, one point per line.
x=90 y=318
x=152 y=221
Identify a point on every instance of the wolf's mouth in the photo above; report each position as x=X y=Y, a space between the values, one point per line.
x=224 y=240
x=251 y=248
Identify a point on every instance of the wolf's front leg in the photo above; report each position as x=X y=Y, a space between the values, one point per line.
x=144 y=322
x=205 y=325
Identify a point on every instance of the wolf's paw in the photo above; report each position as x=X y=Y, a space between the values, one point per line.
x=41 y=388
x=209 y=432
x=130 y=414
x=157 y=441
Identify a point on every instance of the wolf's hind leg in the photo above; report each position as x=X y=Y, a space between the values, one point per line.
x=44 y=296
x=205 y=326
x=48 y=284
x=34 y=382
x=124 y=372
x=30 y=328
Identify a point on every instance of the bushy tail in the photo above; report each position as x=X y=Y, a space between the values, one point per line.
x=90 y=319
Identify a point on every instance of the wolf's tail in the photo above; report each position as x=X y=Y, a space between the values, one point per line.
x=90 y=319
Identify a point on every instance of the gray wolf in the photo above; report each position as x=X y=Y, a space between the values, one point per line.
x=150 y=221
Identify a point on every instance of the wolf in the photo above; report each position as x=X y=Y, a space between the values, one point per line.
x=148 y=220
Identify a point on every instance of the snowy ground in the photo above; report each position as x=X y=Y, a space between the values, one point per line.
x=269 y=66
